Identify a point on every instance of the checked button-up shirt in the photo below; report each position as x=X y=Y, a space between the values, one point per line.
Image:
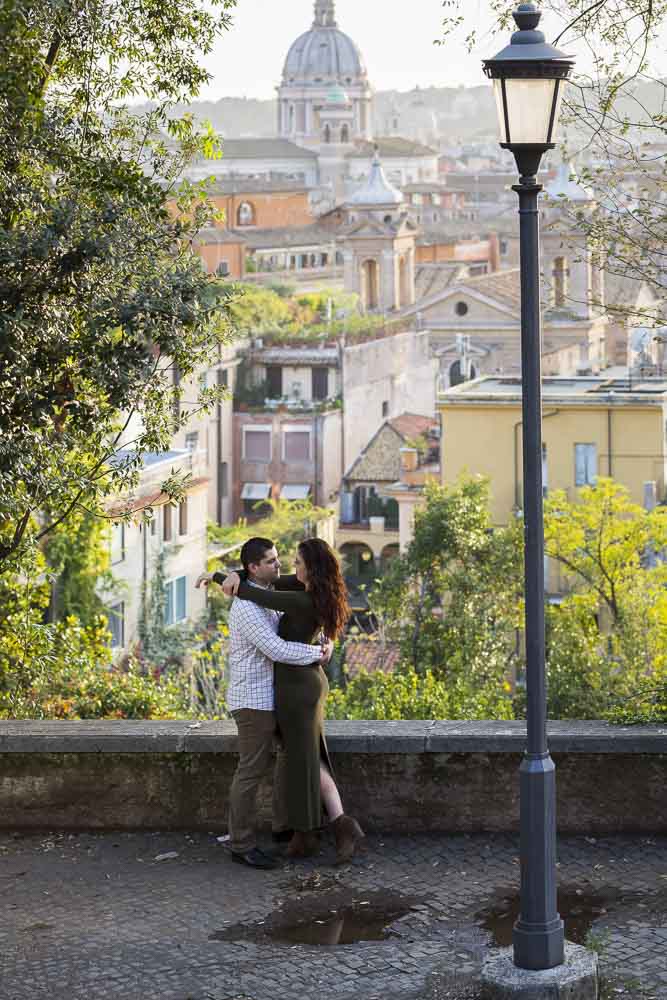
x=253 y=648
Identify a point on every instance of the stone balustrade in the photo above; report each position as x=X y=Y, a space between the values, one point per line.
x=453 y=777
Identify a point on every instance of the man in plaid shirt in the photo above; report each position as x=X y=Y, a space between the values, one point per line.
x=253 y=647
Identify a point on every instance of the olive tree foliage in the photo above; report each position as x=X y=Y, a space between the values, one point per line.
x=105 y=310
x=614 y=119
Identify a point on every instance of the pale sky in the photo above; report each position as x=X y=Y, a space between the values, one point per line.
x=395 y=37
x=396 y=41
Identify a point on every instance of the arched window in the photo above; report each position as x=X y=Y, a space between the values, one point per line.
x=561 y=273
x=404 y=283
x=345 y=134
x=369 y=285
x=456 y=376
x=245 y=215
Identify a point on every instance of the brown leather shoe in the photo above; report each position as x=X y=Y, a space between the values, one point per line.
x=349 y=836
x=303 y=845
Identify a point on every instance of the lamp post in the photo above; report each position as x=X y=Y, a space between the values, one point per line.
x=528 y=79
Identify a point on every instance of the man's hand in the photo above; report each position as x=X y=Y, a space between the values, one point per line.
x=204 y=580
x=230 y=587
x=327 y=653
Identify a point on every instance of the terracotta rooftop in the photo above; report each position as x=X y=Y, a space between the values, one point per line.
x=370 y=655
x=412 y=425
x=388 y=146
x=504 y=286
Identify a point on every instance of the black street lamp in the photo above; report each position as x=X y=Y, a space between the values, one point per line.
x=528 y=78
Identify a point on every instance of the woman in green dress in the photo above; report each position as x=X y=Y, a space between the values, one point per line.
x=314 y=605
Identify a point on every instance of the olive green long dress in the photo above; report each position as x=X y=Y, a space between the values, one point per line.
x=300 y=696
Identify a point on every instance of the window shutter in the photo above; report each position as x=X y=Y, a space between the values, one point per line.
x=169 y=604
x=181 y=595
x=591 y=463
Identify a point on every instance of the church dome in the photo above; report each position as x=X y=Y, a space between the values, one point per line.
x=324 y=53
x=566 y=186
x=377 y=191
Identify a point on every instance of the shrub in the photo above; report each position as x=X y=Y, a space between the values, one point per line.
x=407 y=694
x=64 y=671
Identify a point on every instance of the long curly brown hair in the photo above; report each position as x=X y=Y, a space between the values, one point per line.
x=326 y=586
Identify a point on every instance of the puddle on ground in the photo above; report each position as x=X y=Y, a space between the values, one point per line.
x=337 y=918
x=579 y=908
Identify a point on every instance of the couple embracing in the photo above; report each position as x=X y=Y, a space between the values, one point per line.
x=281 y=634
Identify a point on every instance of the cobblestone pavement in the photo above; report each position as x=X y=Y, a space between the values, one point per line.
x=97 y=917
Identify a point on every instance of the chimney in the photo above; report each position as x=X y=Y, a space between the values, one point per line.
x=409 y=463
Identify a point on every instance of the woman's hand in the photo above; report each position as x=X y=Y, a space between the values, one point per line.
x=230 y=587
x=327 y=652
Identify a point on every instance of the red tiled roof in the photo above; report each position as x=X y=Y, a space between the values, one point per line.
x=412 y=425
x=370 y=655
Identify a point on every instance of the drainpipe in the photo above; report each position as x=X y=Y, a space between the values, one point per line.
x=341 y=357
x=517 y=488
x=316 y=459
x=219 y=442
x=609 y=443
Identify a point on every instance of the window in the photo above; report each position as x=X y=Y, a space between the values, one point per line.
x=223 y=269
x=503 y=248
x=257 y=444
x=327 y=133
x=183 y=517
x=585 y=464
x=245 y=215
x=296 y=445
x=461 y=309
x=274 y=382
x=320 y=383
x=224 y=480
x=116 y=624
x=175 y=606
x=385 y=409
x=192 y=440
x=345 y=134
x=166 y=523
x=436 y=199
x=223 y=378
x=545 y=471
x=117 y=544
x=417 y=199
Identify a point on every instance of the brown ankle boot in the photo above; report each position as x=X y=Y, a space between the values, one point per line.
x=349 y=836
x=303 y=845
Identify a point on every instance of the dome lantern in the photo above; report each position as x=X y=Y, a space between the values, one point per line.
x=325 y=14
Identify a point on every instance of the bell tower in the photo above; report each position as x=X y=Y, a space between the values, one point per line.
x=572 y=275
x=379 y=246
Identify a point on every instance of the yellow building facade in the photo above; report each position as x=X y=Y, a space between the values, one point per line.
x=592 y=427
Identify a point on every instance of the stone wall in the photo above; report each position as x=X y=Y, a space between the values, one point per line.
x=399 y=777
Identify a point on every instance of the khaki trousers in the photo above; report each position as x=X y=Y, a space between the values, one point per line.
x=256 y=741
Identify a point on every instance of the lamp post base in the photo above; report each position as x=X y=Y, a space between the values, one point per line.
x=575 y=979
